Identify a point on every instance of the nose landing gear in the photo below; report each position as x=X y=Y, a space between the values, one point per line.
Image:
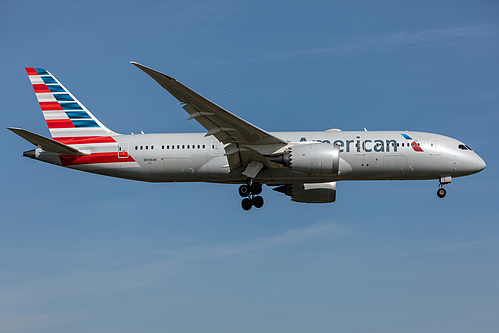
x=441 y=192
x=250 y=193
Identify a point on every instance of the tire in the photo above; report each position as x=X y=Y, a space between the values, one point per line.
x=256 y=188
x=258 y=201
x=246 y=204
x=441 y=193
x=244 y=191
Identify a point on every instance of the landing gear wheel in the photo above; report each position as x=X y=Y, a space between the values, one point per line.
x=256 y=188
x=249 y=192
x=258 y=201
x=246 y=204
x=441 y=192
x=244 y=191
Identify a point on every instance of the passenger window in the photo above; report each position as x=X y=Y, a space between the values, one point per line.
x=136 y=147
x=147 y=147
x=152 y=147
x=188 y=146
x=163 y=147
x=141 y=147
x=178 y=146
x=183 y=146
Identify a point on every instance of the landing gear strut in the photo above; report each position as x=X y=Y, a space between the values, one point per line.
x=250 y=193
x=441 y=191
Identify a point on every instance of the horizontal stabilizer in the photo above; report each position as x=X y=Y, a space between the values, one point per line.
x=46 y=143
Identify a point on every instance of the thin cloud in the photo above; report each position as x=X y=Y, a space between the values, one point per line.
x=399 y=40
x=287 y=237
x=461 y=245
x=23 y=322
x=138 y=276
x=449 y=247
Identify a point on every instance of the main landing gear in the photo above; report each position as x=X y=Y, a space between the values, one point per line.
x=441 y=192
x=250 y=193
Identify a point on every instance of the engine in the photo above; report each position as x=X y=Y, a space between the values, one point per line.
x=310 y=193
x=312 y=158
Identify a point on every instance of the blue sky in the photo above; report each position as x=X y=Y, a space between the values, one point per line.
x=86 y=253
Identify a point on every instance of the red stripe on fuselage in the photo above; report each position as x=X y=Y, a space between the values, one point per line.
x=50 y=106
x=31 y=71
x=84 y=140
x=41 y=88
x=111 y=157
x=60 y=123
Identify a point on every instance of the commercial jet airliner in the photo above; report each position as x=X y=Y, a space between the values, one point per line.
x=303 y=165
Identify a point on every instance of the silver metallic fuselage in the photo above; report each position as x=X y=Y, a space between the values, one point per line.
x=364 y=155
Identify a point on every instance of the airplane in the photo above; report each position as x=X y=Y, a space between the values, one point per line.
x=302 y=165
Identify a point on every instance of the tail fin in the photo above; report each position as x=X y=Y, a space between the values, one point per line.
x=67 y=119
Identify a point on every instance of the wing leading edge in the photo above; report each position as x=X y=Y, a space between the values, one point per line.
x=245 y=142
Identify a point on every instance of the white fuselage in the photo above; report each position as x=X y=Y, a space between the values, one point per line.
x=364 y=155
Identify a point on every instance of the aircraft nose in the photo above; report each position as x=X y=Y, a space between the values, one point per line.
x=480 y=164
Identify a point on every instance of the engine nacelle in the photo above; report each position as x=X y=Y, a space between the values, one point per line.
x=316 y=158
x=310 y=193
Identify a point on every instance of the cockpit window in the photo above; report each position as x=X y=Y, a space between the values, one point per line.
x=464 y=147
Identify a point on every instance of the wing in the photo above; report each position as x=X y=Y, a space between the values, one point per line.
x=245 y=142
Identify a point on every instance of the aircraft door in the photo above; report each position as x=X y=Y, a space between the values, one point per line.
x=123 y=150
x=434 y=147
x=215 y=148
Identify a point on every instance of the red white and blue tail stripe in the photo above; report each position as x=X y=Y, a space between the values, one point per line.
x=71 y=124
x=68 y=120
